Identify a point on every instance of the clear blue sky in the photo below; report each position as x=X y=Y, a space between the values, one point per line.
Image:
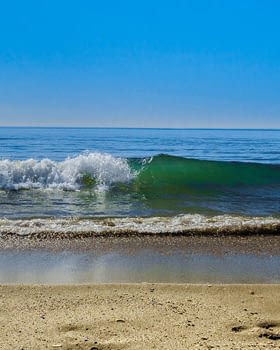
x=199 y=63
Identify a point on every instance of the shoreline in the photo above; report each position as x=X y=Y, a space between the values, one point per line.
x=115 y=316
x=216 y=244
x=137 y=316
x=179 y=225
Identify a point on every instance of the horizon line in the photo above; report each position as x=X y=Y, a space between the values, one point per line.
x=131 y=127
x=139 y=128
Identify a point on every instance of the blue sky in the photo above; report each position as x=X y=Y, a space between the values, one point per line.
x=213 y=63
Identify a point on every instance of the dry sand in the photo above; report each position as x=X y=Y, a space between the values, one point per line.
x=140 y=316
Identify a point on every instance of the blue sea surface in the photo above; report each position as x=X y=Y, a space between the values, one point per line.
x=213 y=144
x=95 y=172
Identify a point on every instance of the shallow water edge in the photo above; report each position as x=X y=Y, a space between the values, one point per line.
x=165 y=259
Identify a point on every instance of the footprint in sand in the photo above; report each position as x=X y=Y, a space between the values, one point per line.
x=265 y=329
x=83 y=337
x=271 y=330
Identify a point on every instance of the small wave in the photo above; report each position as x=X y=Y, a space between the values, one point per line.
x=189 y=224
x=159 y=175
x=87 y=169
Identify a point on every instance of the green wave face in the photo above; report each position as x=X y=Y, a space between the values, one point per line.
x=175 y=175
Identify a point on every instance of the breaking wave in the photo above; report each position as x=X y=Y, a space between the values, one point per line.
x=88 y=169
x=161 y=175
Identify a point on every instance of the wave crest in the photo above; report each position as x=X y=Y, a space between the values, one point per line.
x=71 y=174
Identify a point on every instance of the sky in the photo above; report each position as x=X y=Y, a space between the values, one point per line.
x=182 y=64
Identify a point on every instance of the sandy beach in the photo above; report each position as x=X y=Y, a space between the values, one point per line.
x=140 y=316
x=101 y=316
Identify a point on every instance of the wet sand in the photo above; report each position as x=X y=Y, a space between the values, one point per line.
x=154 y=259
x=140 y=316
x=216 y=244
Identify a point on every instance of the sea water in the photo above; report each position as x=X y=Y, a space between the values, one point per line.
x=86 y=182
x=91 y=172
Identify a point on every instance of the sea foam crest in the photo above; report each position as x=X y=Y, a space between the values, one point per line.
x=103 y=169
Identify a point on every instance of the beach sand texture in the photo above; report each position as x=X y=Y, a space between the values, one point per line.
x=140 y=316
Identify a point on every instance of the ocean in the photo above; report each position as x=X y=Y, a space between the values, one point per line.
x=167 y=177
x=158 y=194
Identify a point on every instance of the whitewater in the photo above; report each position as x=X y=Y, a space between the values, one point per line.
x=69 y=174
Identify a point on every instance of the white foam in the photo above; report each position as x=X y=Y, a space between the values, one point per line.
x=66 y=175
x=188 y=224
